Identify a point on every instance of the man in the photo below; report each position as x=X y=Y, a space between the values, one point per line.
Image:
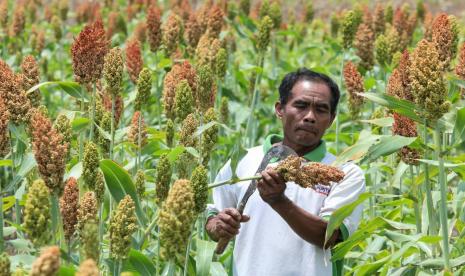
x=284 y=224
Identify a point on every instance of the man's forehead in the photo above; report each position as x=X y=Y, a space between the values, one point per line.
x=311 y=91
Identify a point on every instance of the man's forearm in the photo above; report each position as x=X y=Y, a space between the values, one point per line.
x=309 y=227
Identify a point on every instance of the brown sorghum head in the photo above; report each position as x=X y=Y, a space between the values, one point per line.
x=4 y=14
x=394 y=85
x=192 y=32
x=172 y=33
x=443 y=38
x=427 y=81
x=364 y=43
x=154 y=27
x=48 y=262
x=134 y=61
x=19 y=20
x=140 y=32
x=183 y=100
x=354 y=85
x=69 y=204
x=406 y=127
x=50 y=152
x=87 y=210
x=206 y=50
x=215 y=21
x=30 y=77
x=119 y=106
x=179 y=71
x=113 y=71
x=188 y=128
x=88 y=268
x=133 y=134
x=460 y=67
x=379 y=23
x=88 y=52
x=4 y=133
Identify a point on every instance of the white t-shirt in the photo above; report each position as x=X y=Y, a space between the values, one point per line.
x=267 y=245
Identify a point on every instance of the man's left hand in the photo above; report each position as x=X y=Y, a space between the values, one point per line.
x=271 y=187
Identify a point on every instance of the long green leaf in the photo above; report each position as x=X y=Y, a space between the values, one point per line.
x=141 y=263
x=70 y=87
x=204 y=256
x=120 y=184
x=386 y=145
x=217 y=269
x=459 y=127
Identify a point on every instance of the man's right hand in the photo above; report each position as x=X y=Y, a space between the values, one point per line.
x=226 y=224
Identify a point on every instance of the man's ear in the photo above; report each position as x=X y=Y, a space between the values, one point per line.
x=278 y=109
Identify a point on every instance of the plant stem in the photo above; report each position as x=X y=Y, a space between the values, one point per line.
x=13 y=175
x=81 y=134
x=337 y=111
x=112 y=130
x=55 y=216
x=428 y=188
x=233 y=181
x=139 y=140
x=149 y=229
x=253 y=104
x=188 y=249
x=443 y=205
x=92 y=114
x=1 y=221
x=416 y=205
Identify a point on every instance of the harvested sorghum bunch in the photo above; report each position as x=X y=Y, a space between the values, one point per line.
x=90 y=165
x=37 y=213
x=30 y=77
x=176 y=217
x=310 y=174
x=172 y=33
x=48 y=263
x=113 y=71
x=183 y=100
x=209 y=136
x=50 y=152
x=4 y=133
x=88 y=51
x=88 y=268
x=427 y=81
x=134 y=61
x=5 y=264
x=154 y=27
x=13 y=94
x=163 y=179
x=133 y=134
x=179 y=71
x=354 y=85
x=364 y=43
x=122 y=226
x=144 y=85
x=69 y=204
x=264 y=33
x=199 y=183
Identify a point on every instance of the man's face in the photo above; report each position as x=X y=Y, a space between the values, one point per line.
x=307 y=113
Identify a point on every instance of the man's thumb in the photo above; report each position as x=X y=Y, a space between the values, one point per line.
x=245 y=218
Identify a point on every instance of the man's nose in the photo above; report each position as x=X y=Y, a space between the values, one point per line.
x=310 y=116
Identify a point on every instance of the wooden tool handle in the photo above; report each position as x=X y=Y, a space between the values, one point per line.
x=221 y=245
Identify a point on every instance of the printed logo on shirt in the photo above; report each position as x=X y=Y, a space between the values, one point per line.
x=322 y=189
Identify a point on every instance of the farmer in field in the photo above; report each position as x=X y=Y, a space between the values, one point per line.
x=282 y=229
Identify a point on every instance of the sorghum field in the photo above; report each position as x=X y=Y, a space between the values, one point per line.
x=115 y=117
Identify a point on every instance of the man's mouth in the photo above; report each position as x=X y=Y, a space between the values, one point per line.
x=307 y=129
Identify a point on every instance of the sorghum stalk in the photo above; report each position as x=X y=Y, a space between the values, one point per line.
x=92 y=114
x=443 y=205
x=112 y=131
x=253 y=104
x=428 y=188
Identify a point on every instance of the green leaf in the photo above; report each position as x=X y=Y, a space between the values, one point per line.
x=217 y=269
x=340 y=214
x=66 y=271
x=382 y=122
x=141 y=263
x=359 y=149
x=459 y=127
x=120 y=184
x=446 y=164
x=8 y=202
x=386 y=145
x=6 y=163
x=70 y=87
x=75 y=171
x=204 y=256
x=79 y=124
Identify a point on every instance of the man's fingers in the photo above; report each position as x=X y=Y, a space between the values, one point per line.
x=230 y=220
x=267 y=179
x=278 y=179
x=234 y=213
x=245 y=218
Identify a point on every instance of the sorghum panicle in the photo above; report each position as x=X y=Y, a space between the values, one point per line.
x=88 y=52
x=244 y=5
x=206 y=92
x=154 y=27
x=30 y=77
x=37 y=220
x=19 y=21
x=119 y=106
x=206 y=51
x=63 y=126
x=56 y=25
x=188 y=128
x=224 y=110
x=140 y=32
x=113 y=71
x=144 y=87
x=133 y=134
x=172 y=33
x=48 y=262
x=87 y=210
x=50 y=152
x=364 y=43
x=122 y=226
x=427 y=81
x=215 y=21
x=192 y=32
x=99 y=186
x=394 y=86
x=134 y=61
x=89 y=239
x=199 y=183
x=140 y=183
x=221 y=63
x=209 y=136
x=163 y=179
x=178 y=72
x=5 y=264
x=183 y=100
x=349 y=26
x=176 y=217
x=335 y=24
x=379 y=23
x=88 y=268
x=69 y=204
x=13 y=95
x=90 y=164
x=264 y=34
x=354 y=84
x=443 y=39
x=4 y=15
x=389 y=13
x=460 y=67
x=105 y=124
x=4 y=133
x=406 y=127
x=169 y=133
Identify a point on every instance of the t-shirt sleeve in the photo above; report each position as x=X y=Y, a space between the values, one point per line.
x=346 y=192
x=224 y=196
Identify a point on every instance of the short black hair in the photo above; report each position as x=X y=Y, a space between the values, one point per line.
x=303 y=73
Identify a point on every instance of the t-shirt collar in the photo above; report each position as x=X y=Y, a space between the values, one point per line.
x=315 y=155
